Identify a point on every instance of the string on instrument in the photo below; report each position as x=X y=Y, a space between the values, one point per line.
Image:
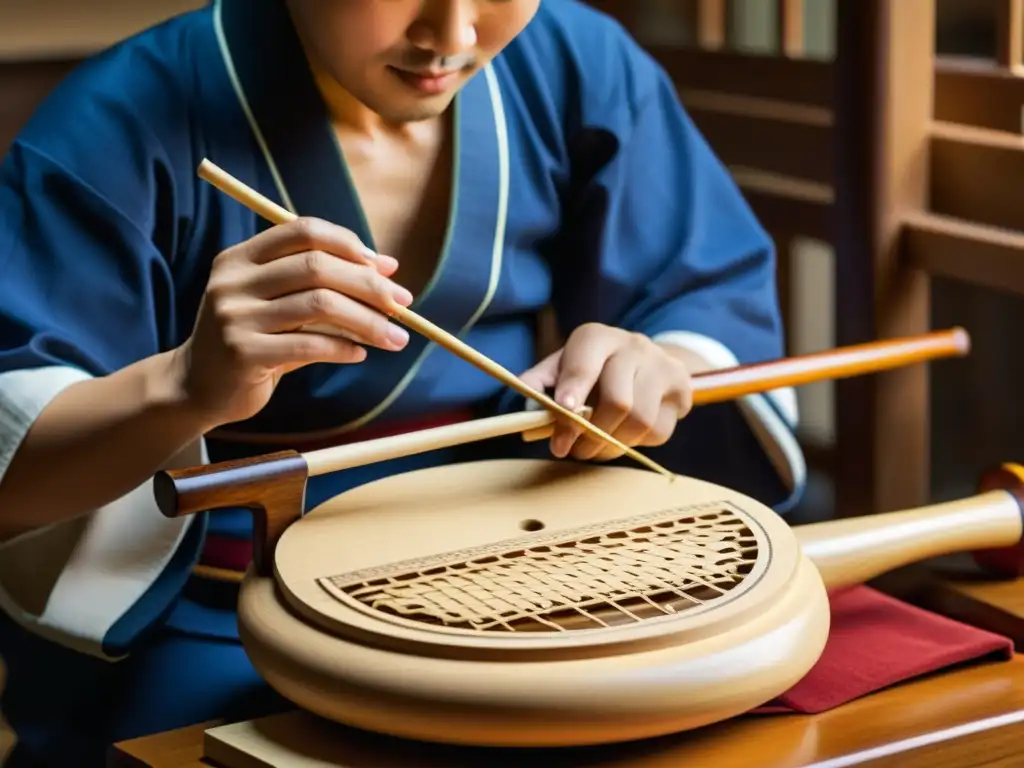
x=274 y=213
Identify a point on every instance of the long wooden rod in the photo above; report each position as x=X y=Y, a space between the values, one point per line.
x=841 y=363
x=233 y=483
x=710 y=387
x=278 y=215
x=854 y=360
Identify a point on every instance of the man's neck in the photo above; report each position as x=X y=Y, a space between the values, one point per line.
x=345 y=110
x=351 y=116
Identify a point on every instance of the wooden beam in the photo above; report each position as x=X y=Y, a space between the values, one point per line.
x=803 y=81
x=884 y=79
x=969 y=253
x=712 y=23
x=792 y=140
x=978 y=93
x=971 y=91
x=973 y=173
x=968 y=91
x=1009 y=33
x=791 y=27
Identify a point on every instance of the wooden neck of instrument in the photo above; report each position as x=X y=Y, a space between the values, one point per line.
x=272 y=487
x=855 y=550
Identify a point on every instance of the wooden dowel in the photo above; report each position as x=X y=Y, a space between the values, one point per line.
x=855 y=360
x=275 y=213
x=359 y=454
x=273 y=486
x=855 y=550
x=708 y=387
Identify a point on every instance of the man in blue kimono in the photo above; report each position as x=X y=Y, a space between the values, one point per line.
x=478 y=160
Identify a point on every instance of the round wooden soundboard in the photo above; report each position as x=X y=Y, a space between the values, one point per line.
x=552 y=603
x=535 y=602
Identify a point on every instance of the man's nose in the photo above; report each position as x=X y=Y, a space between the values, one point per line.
x=446 y=27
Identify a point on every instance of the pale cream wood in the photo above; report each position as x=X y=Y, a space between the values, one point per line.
x=359 y=454
x=482 y=510
x=701 y=659
x=855 y=550
x=296 y=740
x=530 y=703
x=548 y=603
x=274 y=213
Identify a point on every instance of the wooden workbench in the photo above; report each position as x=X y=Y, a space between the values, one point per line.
x=967 y=718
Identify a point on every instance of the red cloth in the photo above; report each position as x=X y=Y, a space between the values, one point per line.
x=877 y=641
x=226 y=552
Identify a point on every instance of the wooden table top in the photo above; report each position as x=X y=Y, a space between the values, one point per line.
x=966 y=718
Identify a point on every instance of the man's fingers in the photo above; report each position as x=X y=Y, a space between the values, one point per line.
x=615 y=400
x=290 y=351
x=319 y=269
x=643 y=417
x=308 y=233
x=633 y=389
x=664 y=426
x=543 y=375
x=582 y=361
x=541 y=378
x=322 y=306
x=563 y=438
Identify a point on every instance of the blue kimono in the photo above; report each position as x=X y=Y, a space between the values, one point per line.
x=580 y=184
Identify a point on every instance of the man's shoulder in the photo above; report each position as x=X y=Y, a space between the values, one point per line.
x=124 y=123
x=144 y=78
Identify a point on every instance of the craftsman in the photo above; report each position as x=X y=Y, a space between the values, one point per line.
x=478 y=160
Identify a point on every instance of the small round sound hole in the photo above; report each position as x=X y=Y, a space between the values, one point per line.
x=531 y=525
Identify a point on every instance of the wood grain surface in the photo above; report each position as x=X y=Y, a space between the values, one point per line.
x=967 y=718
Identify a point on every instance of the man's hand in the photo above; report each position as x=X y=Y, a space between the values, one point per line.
x=639 y=389
x=266 y=300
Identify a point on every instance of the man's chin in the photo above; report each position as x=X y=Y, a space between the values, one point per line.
x=412 y=110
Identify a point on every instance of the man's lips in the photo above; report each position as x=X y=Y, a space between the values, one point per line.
x=430 y=82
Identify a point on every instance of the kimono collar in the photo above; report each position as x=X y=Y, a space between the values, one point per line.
x=286 y=109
